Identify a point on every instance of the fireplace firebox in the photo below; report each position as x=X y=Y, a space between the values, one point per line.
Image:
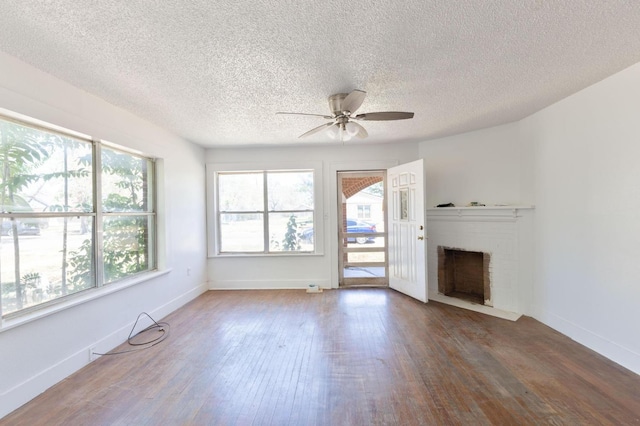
x=464 y=274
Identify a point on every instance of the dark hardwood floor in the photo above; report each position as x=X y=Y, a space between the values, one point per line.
x=342 y=357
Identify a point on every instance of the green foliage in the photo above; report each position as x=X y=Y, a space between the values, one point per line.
x=117 y=203
x=21 y=149
x=291 y=240
x=31 y=156
x=375 y=189
x=125 y=248
x=31 y=280
x=82 y=267
x=125 y=237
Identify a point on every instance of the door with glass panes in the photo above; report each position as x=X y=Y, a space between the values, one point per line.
x=361 y=232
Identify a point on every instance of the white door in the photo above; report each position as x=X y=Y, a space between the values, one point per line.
x=407 y=230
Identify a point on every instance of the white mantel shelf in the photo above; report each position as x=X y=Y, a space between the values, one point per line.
x=478 y=212
x=516 y=207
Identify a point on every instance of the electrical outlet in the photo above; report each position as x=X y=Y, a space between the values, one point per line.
x=92 y=353
x=188 y=272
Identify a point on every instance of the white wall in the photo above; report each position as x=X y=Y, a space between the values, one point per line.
x=37 y=354
x=587 y=196
x=490 y=166
x=577 y=161
x=300 y=271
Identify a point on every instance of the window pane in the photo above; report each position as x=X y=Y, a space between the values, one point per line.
x=55 y=258
x=290 y=190
x=126 y=246
x=42 y=257
x=125 y=182
x=240 y=192
x=242 y=232
x=43 y=171
x=290 y=231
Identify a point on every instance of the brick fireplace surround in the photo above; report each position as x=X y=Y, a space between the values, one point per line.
x=503 y=236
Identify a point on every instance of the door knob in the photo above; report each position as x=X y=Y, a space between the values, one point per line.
x=420 y=237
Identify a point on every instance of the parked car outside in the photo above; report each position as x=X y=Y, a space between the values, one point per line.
x=24 y=228
x=353 y=226
x=25 y=225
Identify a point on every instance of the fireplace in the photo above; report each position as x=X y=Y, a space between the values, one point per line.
x=464 y=274
x=503 y=237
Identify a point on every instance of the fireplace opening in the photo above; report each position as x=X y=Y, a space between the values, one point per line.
x=464 y=274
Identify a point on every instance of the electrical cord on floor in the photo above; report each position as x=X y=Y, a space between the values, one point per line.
x=162 y=327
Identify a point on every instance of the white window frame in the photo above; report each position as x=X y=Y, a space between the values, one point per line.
x=28 y=314
x=213 y=237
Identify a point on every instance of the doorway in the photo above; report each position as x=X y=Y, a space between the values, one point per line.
x=362 y=236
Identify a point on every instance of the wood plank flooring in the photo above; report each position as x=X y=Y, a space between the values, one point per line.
x=342 y=357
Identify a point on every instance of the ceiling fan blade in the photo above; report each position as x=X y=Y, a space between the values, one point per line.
x=353 y=101
x=328 y=117
x=316 y=130
x=384 y=116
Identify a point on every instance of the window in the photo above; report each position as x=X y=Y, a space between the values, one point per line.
x=364 y=211
x=266 y=211
x=67 y=228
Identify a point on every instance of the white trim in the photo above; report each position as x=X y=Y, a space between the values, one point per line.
x=78 y=299
x=622 y=355
x=41 y=124
x=211 y=184
x=291 y=284
x=477 y=213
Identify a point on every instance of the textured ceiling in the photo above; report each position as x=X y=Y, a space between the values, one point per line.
x=215 y=72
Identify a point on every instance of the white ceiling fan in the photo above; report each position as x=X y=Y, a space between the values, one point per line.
x=342 y=125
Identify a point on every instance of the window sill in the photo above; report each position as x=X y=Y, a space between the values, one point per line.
x=265 y=255
x=78 y=299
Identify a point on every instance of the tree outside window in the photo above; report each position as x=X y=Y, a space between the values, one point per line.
x=50 y=221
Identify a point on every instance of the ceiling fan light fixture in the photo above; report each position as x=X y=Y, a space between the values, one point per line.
x=351 y=129
x=333 y=132
x=344 y=134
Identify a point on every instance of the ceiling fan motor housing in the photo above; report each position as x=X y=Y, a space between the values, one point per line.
x=335 y=103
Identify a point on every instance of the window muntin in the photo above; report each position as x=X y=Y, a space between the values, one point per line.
x=265 y=211
x=48 y=215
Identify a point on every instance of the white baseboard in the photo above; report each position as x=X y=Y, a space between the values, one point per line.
x=268 y=284
x=605 y=347
x=23 y=392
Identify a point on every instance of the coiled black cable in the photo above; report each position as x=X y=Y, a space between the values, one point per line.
x=162 y=327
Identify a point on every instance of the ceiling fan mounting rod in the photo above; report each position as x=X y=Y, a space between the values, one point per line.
x=335 y=103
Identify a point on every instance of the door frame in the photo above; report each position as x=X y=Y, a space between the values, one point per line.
x=331 y=220
x=345 y=282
